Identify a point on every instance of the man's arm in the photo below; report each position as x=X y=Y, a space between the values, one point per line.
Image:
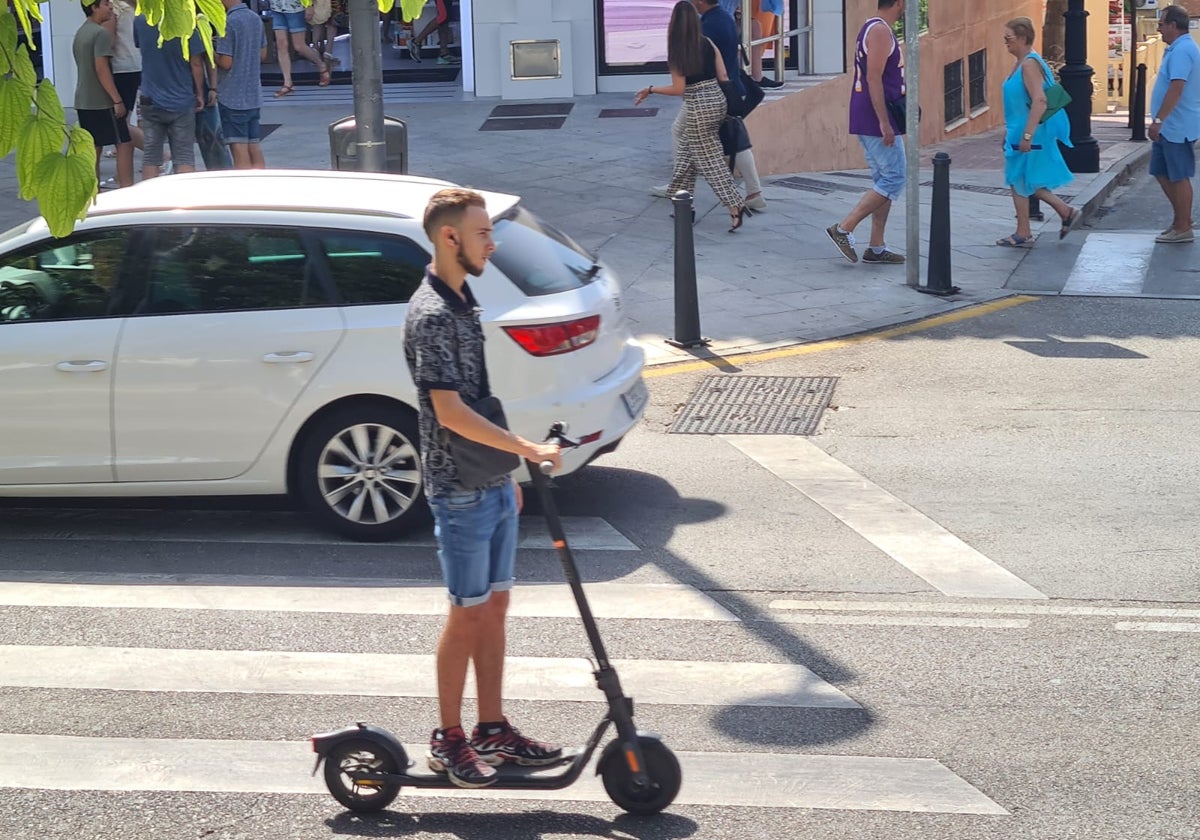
x=455 y=415
x=196 y=60
x=879 y=49
x=105 y=76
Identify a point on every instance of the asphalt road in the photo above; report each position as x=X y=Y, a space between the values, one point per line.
x=1054 y=439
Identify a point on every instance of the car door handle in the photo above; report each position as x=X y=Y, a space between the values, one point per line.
x=80 y=366
x=289 y=357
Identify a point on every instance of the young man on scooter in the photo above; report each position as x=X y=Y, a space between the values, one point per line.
x=476 y=527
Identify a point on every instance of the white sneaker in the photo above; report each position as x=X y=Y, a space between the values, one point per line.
x=660 y=192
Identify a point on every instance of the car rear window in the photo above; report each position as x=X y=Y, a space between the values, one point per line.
x=538 y=258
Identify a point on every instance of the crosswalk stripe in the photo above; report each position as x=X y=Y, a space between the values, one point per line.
x=905 y=534
x=406 y=675
x=757 y=780
x=1082 y=610
x=1158 y=626
x=353 y=596
x=1111 y=264
x=902 y=621
x=583 y=532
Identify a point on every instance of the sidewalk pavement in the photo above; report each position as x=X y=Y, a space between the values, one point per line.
x=778 y=281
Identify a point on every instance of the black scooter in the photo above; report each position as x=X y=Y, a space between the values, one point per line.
x=365 y=765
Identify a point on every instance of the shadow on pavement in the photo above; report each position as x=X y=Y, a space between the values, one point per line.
x=531 y=825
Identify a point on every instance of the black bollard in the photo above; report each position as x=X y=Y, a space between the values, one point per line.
x=1138 y=115
x=687 y=303
x=937 y=282
x=1035 y=209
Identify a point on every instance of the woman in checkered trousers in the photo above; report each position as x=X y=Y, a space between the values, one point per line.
x=696 y=67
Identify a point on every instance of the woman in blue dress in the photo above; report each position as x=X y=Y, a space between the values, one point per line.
x=1033 y=163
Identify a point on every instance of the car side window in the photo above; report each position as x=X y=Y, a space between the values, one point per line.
x=70 y=278
x=373 y=267
x=224 y=269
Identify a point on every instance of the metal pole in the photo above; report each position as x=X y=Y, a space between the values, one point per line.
x=1076 y=77
x=938 y=281
x=1137 y=114
x=687 y=303
x=912 y=142
x=368 y=85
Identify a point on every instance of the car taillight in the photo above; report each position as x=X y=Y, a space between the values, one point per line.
x=553 y=339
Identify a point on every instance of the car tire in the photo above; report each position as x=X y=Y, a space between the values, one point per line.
x=359 y=472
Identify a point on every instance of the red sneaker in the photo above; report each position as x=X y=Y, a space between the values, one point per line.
x=451 y=753
x=496 y=743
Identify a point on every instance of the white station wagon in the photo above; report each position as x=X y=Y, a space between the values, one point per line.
x=234 y=333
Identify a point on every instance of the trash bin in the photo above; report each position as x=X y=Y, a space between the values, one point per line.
x=343 y=145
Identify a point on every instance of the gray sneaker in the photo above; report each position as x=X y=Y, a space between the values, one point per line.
x=887 y=257
x=1175 y=236
x=414 y=50
x=844 y=242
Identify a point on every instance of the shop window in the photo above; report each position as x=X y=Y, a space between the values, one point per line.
x=953 y=76
x=977 y=79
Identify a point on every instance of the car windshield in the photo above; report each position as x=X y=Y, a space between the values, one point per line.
x=13 y=233
x=537 y=257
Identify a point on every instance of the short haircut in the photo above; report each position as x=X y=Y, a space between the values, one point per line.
x=1022 y=27
x=1177 y=16
x=88 y=8
x=447 y=207
x=887 y=4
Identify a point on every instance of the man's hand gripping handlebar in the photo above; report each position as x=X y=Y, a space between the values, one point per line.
x=556 y=438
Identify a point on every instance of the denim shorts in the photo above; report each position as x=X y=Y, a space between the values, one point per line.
x=176 y=127
x=1173 y=161
x=239 y=125
x=291 y=21
x=887 y=164
x=477 y=541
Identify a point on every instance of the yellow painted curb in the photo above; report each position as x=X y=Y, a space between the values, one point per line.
x=718 y=362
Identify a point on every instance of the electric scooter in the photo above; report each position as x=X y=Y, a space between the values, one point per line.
x=366 y=765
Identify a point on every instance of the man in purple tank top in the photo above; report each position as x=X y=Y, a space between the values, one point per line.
x=878 y=80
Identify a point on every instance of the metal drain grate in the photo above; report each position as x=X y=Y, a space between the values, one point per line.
x=756 y=405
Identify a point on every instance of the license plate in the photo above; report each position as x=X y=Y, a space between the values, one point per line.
x=635 y=399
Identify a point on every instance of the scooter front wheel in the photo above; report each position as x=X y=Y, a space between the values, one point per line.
x=343 y=768
x=662 y=768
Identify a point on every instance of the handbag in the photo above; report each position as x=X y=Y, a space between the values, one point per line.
x=479 y=464
x=898 y=111
x=734 y=137
x=1057 y=98
x=754 y=93
x=735 y=106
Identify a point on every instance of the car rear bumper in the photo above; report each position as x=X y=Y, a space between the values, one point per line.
x=609 y=406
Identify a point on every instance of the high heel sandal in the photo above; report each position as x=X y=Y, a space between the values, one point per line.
x=742 y=212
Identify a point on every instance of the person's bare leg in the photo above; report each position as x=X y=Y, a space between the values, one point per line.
x=305 y=51
x=125 y=163
x=1166 y=188
x=240 y=152
x=867 y=205
x=1021 y=204
x=285 y=57
x=459 y=638
x=1181 y=203
x=879 y=223
x=488 y=657
x=756 y=52
x=1060 y=207
x=256 y=157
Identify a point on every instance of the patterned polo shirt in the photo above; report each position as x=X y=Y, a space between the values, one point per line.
x=443 y=345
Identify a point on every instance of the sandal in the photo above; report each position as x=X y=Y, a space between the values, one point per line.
x=1069 y=223
x=325 y=76
x=1015 y=241
x=286 y=90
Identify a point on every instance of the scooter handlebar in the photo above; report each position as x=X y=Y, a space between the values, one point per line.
x=546 y=467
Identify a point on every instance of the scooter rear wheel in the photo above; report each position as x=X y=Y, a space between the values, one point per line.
x=665 y=778
x=361 y=795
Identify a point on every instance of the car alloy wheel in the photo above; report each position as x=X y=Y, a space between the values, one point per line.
x=361 y=472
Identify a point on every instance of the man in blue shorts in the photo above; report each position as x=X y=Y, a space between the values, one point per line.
x=476 y=526
x=172 y=93
x=239 y=56
x=1175 y=125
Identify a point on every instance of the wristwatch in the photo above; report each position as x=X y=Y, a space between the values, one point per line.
x=1156 y=121
x=1027 y=136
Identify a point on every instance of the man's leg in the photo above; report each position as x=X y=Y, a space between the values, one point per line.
x=156 y=137
x=460 y=637
x=181 y=136
x=1181 y=202
x=488 y=656
x=241 y=155
x=879 y=223
x=867 y=205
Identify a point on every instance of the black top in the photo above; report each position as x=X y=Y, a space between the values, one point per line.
x=709 y=70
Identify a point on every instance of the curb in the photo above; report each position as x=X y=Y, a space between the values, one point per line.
x=1093 y=197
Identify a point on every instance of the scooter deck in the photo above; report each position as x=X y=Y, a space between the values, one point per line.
x=419 y=774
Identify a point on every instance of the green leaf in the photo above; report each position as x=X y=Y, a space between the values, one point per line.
x=48 y=105
x=16 y=98
x=8 y=32
x=66 y=186
x=23 y=68
x=152 y=9
x=385 y=6
x=81 y=144
x=179 y=21
x=23 y=16
x=214 y=12
x=206 y=29
x=37 y=139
